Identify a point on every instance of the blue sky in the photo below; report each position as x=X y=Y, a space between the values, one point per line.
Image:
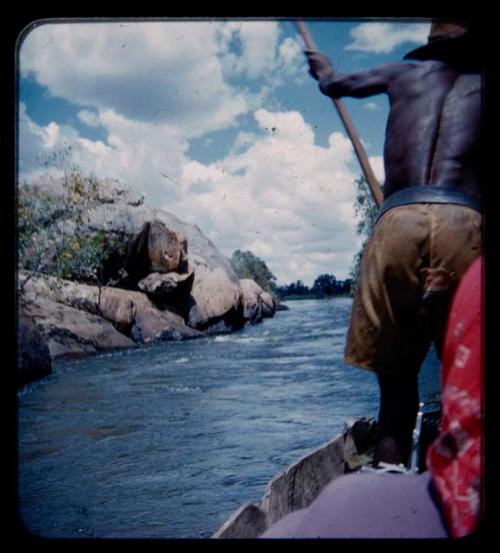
x=216 y=121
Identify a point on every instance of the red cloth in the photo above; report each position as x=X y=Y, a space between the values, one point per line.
x=455 y=459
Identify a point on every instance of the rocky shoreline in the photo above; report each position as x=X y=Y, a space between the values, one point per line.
x=177 y=286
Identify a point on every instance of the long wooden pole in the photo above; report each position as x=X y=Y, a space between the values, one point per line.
x=373 y=183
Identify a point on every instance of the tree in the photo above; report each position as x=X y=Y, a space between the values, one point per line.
x=326 y=285
x=298 y=288
x=346 y=285
x=366 y=212
x=248 y=265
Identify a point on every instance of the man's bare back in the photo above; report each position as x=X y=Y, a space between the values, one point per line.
x=432 y=135
x=428 y=229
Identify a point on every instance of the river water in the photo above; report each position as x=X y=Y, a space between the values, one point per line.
x=165 y=441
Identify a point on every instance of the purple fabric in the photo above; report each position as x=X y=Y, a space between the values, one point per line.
x=367 y=505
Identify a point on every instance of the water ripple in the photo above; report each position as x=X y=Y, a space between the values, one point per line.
x=168 y=439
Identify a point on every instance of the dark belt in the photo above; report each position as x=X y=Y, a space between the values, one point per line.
x=429 y=195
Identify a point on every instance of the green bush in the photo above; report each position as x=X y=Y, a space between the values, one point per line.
x=366 y=212
x=248 y=265
x=51 y=231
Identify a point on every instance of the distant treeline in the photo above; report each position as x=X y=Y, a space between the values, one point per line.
x=248 y=265
x=324 y=286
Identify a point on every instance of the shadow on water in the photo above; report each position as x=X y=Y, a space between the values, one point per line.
x=167 y=440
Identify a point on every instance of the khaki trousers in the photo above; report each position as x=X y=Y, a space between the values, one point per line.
x=410 y=268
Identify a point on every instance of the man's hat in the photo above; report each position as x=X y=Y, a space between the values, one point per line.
x=443 y=37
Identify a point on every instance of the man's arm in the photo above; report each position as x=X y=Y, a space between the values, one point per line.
x=358 y=85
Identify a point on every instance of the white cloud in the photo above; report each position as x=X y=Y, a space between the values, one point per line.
x=244 y=138
x=371 y=106
x=138 y=70
x=259 y=41
x=90 y=118
x=31 y=140
x=377 y=164
x=290 y=50
x=385 y=37
x=36 y=142
x=137 y=153
x=276 y=192
x=176 y=73
x=261 y=54
x=289 y=124
x=283 y=197
x=292 y=59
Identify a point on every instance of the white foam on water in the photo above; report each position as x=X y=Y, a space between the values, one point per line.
x=183 y=389
x=239 y=339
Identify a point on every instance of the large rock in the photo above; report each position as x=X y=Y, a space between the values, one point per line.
x=79 y=318
x=33 y=355
x=252 y=306
x=215 y=302
x=164 y=286
x=216 y=299
x=268 y=304
x=133 y=313
x=280 y=306
x=257 y=303
x=109 y=191
x=156 y=249
x=70 y=331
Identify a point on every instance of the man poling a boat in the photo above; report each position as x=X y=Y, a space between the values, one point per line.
x=428 y=230
x=447 y=500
